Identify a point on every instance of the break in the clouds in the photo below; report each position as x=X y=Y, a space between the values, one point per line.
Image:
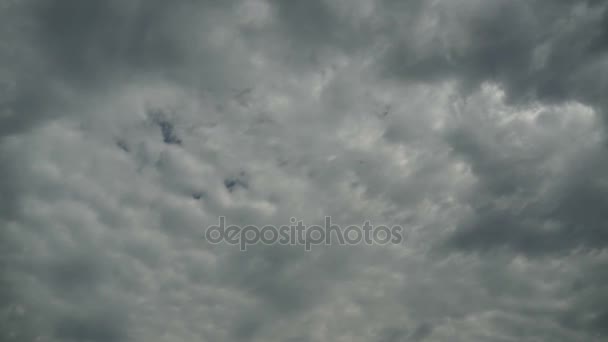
x=127 y=127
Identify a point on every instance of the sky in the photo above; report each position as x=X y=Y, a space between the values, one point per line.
x=129 y=126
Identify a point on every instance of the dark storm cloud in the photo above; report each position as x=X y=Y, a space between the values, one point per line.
x=538 y=51
x=575 y=206
x=537 y=202
x=544 y=213
x=550 y=51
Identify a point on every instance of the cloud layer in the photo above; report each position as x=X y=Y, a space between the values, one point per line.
x=128 y=127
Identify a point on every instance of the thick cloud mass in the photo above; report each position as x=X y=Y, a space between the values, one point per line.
x=128 y=127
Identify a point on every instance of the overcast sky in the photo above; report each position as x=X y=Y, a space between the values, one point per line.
x=480 y=126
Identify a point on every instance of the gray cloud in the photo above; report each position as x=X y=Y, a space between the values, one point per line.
x=127 y=127
x=540 y=50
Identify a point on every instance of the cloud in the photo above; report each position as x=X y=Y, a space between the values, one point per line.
x=128 y=127
x=541 y=50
